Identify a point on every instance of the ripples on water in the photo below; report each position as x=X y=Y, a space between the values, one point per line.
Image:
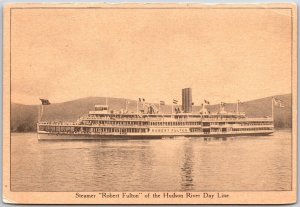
x=259 y=163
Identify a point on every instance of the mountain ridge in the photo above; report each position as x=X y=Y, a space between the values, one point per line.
x=90 y=97
x=24 y=117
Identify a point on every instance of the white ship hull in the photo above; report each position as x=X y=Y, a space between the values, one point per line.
x=42 y=135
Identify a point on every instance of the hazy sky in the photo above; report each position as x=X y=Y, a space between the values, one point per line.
x=223 y=54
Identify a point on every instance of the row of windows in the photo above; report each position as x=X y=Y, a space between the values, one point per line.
x=117 y=123
x=253 y=129
x=240 y=123
x=89 y=129
x=174 y=123
x=256 y=124
x=218 y=130
x=113 y=116
x=169 y=130
x=56 y=128
x=139 y=123
x=113 y=130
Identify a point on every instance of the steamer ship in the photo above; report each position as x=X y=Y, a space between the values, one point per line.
x=150 y=123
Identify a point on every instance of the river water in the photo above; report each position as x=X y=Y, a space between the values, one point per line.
x=259 y=163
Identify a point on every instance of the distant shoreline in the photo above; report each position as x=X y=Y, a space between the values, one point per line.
x=24 y=117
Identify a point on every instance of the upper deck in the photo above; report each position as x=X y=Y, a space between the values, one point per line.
x=173 y=117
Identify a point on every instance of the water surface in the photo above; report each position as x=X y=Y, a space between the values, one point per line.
x=259 y=163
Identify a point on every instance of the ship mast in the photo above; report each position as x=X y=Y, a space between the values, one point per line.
x=159 y=107
x=175 y=102
x=40 y=112
x=273 y=109
x=41 y=108
x=126 y=105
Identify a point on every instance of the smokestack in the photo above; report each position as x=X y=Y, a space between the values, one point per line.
x=187 y=100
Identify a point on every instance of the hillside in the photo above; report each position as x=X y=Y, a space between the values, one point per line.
x=24 y=117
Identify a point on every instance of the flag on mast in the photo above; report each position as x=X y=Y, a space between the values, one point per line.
x=45 y=101
x=175 y=101
x=141 y=100
x=207 y=102
x=278 y=102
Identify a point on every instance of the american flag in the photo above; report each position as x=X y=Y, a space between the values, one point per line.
x=45 y=101
x=207 y=102
x=278 y=102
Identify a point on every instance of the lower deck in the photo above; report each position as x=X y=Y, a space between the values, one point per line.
x=153 y=131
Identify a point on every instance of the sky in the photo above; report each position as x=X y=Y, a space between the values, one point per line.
x=222 y=54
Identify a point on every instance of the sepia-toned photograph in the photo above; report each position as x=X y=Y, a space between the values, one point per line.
x=150 y=103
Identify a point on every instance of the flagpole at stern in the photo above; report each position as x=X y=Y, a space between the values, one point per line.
x=42 y=111
x=273 y=109
x=41 y=108
x=39 y=113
